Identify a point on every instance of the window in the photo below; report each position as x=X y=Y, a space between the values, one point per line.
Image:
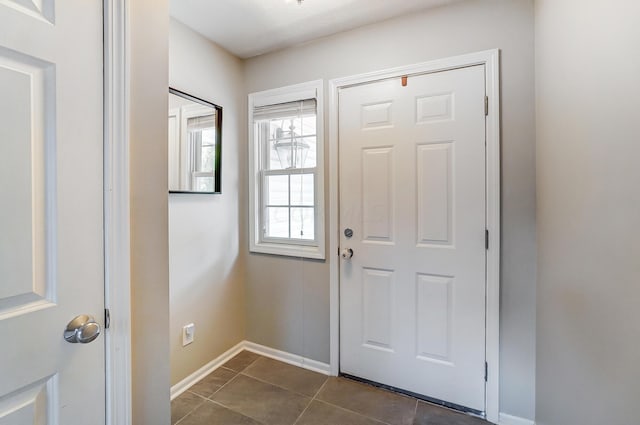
x=201 y=136
x=286 y=163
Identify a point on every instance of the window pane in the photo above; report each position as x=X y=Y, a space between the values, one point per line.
x=206 y=158
x=203 y=184
x=277 y=190
x=273 y=161
x=289 y=144
x=208 y=137
x=311 y=151
x=308 y=125
x=302 y=223
x=285 y=124
x=302 y=189
x=277 y=222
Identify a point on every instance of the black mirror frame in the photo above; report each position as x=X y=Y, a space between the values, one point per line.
x=217 y=190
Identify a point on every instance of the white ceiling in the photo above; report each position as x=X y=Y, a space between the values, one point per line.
x=249 y=28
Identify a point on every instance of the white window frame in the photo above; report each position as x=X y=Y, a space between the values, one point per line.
x=302 y=248
x=188 y=173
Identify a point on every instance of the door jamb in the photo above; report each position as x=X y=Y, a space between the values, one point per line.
x=116 y=213
x=491 y=60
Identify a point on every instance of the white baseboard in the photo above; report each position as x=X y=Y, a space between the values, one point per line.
x=272 y=353
x=505 y=419
x=190 y=380
x=289 y=358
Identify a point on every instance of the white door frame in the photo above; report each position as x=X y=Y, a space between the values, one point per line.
x=116 y=212
x=491 y=60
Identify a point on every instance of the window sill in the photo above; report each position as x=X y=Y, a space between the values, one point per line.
x=288 y=250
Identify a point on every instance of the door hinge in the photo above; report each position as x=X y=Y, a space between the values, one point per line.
x=107 y=318
x=486 y=238
x=486 y=106
x=486 y=372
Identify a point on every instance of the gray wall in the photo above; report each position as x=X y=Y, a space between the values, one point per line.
x=288 y=299
x=149 y=34
x=588 y=210
x=205 y=255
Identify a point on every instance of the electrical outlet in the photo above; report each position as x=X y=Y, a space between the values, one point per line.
x=188 y=333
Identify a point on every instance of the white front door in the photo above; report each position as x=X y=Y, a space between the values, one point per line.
x=51 y=225
x=412 y=191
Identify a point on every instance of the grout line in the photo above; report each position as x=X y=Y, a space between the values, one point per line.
x=223 y=385
x=303 y=411
x=415 y=411
x=311 y=400
x=191 y=411
x=194 y=393
x=353 y=412
x=225 y=368
x=349 y=410
x=315 y=398
x=279 y=386
x=234 y=377
x=320 y=389
x=250 y=364
x=234 y=411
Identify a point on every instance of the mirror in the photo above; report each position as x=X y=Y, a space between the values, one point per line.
x=195 y=136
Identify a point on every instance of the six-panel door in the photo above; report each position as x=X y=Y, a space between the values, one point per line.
x=412 y=188
x=51 y=226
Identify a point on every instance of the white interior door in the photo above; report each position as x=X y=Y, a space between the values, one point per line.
x=412 y=190
x=51 y=226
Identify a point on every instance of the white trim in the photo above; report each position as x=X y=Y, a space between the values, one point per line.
x=490 y=59
x=334 y=232
x=492 y=335
x=514 y=420
x=289 y=250
x=292 y=359
x=190 y=380
x=116 y=213
x=311 y=89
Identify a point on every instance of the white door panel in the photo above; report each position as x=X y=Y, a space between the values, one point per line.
x=51 y=227
x=412 y=189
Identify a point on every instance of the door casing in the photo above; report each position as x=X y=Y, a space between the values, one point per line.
x=491 y=60
x=116 y=212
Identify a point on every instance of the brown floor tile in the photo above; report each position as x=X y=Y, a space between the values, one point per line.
x=320 y=413
x=209 y=413
x=428 y=414
x=284 y=375
x=263 y=402
x=241 y=361
x=376 y=403
x=213 y=381
x=183 y=404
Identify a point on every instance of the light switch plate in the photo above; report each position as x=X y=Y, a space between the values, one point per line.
x=188 y=334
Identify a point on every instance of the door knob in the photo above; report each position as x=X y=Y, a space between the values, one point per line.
x=82 y=329
x=347 y=253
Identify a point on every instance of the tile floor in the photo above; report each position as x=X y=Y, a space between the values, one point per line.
x=254 y=390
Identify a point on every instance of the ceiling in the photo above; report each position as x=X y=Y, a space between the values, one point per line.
x=249 y=28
